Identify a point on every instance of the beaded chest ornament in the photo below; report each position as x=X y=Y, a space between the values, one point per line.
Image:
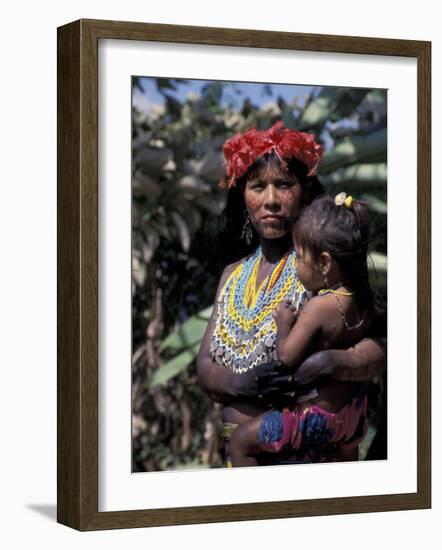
x=245 y=330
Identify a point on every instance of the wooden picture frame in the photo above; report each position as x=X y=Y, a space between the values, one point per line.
x=77 y=409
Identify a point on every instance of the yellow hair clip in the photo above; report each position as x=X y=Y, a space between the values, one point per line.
x=348 y=201
x=341 y=198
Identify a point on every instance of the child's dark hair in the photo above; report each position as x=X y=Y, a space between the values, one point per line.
x=344 y=232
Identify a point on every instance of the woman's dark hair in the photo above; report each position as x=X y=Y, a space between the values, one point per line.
x=230 y=246
x=344 y=232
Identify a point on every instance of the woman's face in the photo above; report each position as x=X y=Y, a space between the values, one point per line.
x=273 y=201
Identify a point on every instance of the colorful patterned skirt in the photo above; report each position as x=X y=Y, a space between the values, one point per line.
x=307 y=433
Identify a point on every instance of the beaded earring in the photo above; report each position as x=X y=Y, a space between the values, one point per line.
x=246 y=233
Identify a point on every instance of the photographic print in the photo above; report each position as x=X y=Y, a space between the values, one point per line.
x=259 y=274
x=222 y=275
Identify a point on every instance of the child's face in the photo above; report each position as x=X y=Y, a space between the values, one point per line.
x=309 y=272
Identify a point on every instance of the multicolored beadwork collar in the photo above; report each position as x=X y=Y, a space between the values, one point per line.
x=245 y=330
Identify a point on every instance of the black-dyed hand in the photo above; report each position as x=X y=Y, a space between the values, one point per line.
x=319 y=364
x=276 y=384
x=250 y=383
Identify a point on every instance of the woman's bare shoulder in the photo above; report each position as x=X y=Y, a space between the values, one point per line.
x=230 y=268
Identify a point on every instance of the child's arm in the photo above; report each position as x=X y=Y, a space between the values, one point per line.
x=294 y=336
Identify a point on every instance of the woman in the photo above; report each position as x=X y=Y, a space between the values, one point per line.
x=270 y=177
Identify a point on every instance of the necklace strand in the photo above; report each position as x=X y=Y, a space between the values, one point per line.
x=336 y=294
x=341 y=311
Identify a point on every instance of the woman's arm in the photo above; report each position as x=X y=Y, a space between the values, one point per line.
x=218 y=382
x=360 y=363
x=215 y=380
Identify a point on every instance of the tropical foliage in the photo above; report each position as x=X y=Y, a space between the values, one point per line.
x=177 y=163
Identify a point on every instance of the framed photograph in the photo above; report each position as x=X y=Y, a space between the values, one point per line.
x=183 y=150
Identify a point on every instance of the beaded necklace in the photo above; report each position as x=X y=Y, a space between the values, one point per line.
x=245 y=330
x=336 y=294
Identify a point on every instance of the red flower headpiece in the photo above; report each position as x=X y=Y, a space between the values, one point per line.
x=241 y=150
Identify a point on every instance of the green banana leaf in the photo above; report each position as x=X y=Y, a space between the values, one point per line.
x=348 y=103
x=358 y=176
x=318 y=110
x=358 y=149
x=375 y=203
x=378 y=261
x=377 y=267
x=332 y=102
x=185 y=341
x=188 y=333
x=173 y=367
x=289 y=119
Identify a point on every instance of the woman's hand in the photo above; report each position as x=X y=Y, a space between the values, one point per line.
x=223 y=385
x=279 y=386
x=360 y=363
x=254 y=382
x=276 y=385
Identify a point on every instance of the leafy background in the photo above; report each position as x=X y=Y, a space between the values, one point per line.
x=178 y=129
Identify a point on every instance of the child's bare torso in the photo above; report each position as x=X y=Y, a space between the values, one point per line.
x=338 y=311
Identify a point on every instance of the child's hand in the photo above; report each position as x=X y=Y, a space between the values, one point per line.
x=285 y=316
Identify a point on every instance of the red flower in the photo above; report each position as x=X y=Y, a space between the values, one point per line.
x=241 y=150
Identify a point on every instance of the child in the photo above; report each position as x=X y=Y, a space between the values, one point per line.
x=331 y=241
